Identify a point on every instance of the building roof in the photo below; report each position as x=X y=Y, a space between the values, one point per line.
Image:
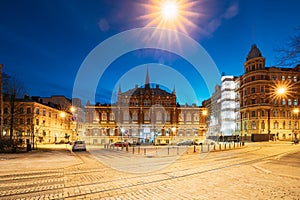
x=254 y=52
x=143 y=90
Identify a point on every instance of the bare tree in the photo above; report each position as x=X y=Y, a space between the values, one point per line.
x=290 y=54
x=12 y=90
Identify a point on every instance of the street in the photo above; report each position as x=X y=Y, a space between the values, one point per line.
x=256 y=171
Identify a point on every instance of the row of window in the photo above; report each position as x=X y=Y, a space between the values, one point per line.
x=273 y=77
x=28 y=111
x=159 y=116
x=275 y=125
x=273 y=113
x=254 y=67
x=148 y=103
x=289 y=102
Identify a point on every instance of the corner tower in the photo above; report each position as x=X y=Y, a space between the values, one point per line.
x=254 y=60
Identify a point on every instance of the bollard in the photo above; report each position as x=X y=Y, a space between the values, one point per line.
x=194 y=148
x=220 y=147
x=127 y=148
x=139 y=150
x=201 y=148
x=133 y=150
x=168 y=150
x=177 y=150
x=225 y=145
x=144 y=151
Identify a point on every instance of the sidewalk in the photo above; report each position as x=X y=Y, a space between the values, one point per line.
x=48 y=156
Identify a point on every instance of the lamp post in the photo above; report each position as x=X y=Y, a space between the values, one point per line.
x=281 y=91
x=296 y=112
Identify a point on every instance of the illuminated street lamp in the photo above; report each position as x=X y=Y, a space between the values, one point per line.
x=281 y=90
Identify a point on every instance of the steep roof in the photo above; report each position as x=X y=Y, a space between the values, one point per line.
x=254 y=52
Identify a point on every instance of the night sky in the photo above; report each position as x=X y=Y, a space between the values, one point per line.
x=44 y=42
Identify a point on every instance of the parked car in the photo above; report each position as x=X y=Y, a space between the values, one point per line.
x=121 y=144
x=79 y=145
x=185 y=143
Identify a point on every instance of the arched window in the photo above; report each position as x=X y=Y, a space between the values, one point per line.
x=253 y=114
x=158 y=116
x=103 y=116
x=147 y=116
x=263 y=125
x=253 y=125
x=188 y=117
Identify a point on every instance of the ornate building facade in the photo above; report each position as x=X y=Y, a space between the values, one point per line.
x=269 y=98
x=145 y=114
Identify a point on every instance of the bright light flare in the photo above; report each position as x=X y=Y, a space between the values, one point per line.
x=169 y=10
x=62 y=114
x=176 y=15
x=281 y=90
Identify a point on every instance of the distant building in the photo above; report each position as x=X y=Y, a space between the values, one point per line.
x=213 y=106
x=37 y=122
x=228 y=105
x=221 y=106
x=145 y=114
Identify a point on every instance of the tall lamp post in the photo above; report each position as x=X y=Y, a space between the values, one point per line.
x=294 y=134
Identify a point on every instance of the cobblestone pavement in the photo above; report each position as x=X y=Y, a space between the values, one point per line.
x=258 y=171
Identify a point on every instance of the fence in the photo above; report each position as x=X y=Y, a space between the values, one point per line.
x=175 y=150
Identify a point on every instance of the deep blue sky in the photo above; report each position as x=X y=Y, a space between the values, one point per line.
x=44 y=42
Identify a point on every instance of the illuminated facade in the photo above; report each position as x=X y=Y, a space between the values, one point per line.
x=213 y=106
x=228 y=105
x=263 y=110
x=38 y=122
x=221 y=108
x=263 y=101
x=147 y=115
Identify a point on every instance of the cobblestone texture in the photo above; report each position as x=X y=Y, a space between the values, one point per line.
x=259 y=171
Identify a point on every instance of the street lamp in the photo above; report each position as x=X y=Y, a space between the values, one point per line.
x=296 y=112
x=281 y=90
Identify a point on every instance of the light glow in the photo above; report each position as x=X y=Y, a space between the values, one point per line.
x=169 y=10
x=281 y=90
x=176 y=15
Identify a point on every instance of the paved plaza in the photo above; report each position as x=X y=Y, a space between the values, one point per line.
x=255 y=171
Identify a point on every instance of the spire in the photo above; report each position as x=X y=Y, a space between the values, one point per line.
x=147 y=82
x=174 y=90
x=120 y=91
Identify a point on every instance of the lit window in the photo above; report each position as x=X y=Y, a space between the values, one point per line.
x=295 y=78
x=262 y=125
x=253 y=125
x=295 y=102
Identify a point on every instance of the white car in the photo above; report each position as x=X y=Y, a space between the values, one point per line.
x=79 y=145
